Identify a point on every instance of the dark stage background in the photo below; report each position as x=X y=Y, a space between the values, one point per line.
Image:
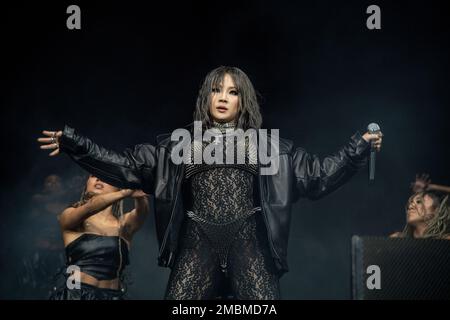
x=134 y=70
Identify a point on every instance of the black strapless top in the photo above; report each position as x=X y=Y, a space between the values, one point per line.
x=103 y=257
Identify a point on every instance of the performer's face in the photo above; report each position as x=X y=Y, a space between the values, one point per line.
x=224 y=101
x=96 y=186
x=419 y=208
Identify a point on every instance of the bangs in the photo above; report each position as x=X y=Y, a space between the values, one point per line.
x=217 y=78
x=249 y=113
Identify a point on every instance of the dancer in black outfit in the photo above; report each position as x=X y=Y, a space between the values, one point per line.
x=220 y=223
x=97 y=235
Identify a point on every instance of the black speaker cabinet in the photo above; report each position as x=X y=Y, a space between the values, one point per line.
x=399 y=268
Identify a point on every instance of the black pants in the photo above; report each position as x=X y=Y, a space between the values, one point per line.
x=250 y=272
x=86 y=292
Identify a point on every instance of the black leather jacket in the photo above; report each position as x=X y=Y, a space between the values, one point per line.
x=150 y=168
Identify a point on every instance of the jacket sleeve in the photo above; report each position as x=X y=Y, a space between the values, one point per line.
x=131 y=169
x=315 y=178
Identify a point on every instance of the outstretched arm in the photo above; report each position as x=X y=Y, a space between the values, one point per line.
x=316 y=178
x=73 y=217
x=131 y=169
x=423 y=183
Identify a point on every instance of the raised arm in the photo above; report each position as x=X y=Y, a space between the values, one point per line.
x=135 y=219
x=73 y=217
x=316 y=178
x=131 y=169
x=423 y=183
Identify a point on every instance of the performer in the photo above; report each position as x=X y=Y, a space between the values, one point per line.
x=97 y=236
x=219 y=223
x=427 y=211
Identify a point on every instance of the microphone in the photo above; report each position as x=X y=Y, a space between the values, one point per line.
x=372 y=128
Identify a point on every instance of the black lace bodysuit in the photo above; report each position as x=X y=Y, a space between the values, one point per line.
x=223 y=247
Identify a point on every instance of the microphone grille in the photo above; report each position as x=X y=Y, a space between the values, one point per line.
x=373 y=127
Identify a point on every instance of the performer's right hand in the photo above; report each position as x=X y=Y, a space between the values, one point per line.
x=421 y=183
x=50 y=141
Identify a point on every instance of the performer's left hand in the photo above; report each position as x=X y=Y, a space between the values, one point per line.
x=375 y=138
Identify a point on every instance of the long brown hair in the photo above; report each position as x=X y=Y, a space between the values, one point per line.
x=249 y=115
x=438 y=226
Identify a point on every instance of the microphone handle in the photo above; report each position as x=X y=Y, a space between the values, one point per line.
x=372 y=165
